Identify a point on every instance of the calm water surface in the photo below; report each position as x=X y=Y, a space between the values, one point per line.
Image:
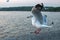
x=14 y=25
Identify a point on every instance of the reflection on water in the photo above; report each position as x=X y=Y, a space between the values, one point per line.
x=15 y=23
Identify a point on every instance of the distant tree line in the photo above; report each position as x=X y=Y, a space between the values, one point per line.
x=16 y=9
x=28 y=8
x=52 y=9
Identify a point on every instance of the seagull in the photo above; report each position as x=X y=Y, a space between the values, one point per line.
x=38 y=20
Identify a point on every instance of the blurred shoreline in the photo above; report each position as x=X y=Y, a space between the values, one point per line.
x=28 y=8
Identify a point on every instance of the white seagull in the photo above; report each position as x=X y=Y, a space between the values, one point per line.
x=38 y=20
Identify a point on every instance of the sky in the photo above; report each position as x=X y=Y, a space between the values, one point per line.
x=15 y=3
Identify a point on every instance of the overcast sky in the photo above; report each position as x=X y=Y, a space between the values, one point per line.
x=12 y=3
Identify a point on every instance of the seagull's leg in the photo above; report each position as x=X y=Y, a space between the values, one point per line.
x=37 y=31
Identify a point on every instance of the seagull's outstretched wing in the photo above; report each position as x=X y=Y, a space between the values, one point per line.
x=29 y=16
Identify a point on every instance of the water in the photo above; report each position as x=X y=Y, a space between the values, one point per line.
x=14 y=25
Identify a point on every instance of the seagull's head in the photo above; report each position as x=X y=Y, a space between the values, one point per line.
x=39 y=6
